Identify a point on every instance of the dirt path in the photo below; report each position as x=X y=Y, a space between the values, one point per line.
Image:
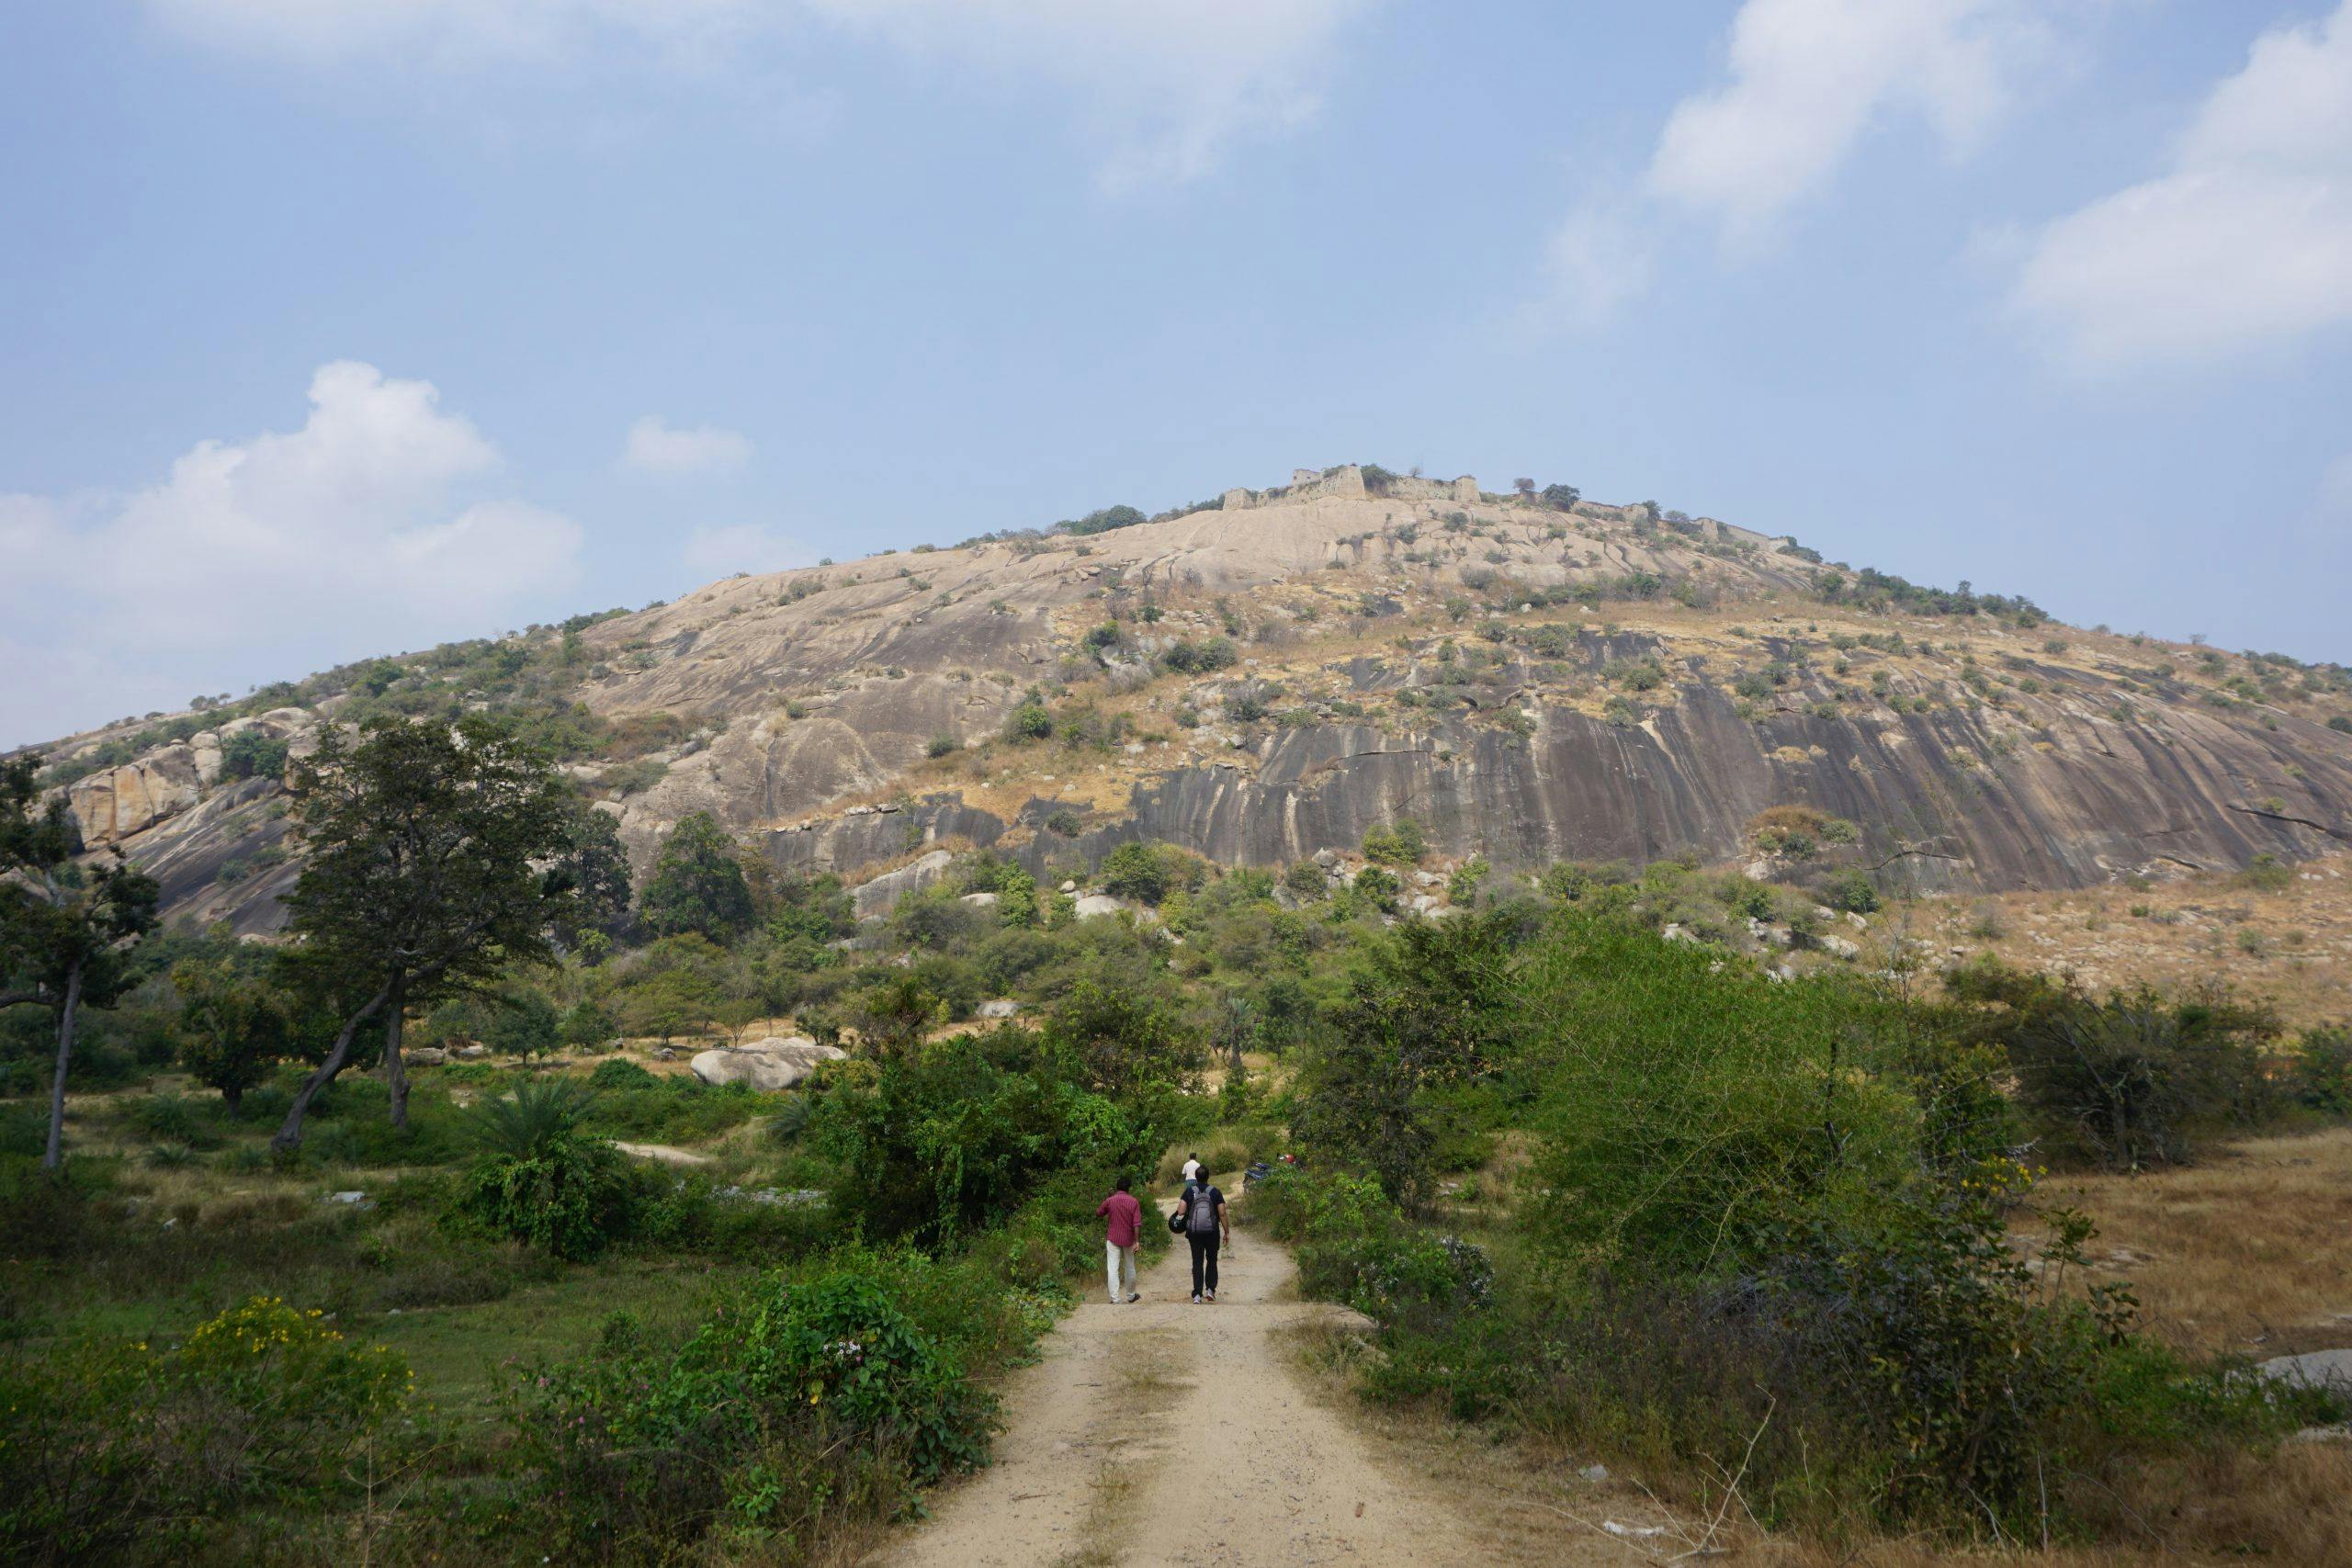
x=1163 y=1433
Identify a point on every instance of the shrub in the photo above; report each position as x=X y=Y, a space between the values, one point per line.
x=941 y=1140
x=1190 y=658
x=1149 y=873
x=619 y=1072
x=1400 y=844
x=1851 y=891
x=2321 y=1071
x=110 y=1446
x=2265 y=873
x=250 y=754
x=799 y=1407
x=2134 y=1081
x=1355 y=1246
x=1030 y=721
x=534 y=1114
x=569 y=1197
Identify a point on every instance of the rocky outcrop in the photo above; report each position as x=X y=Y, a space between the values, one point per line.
x=770 y=1064
x=874 y=899
x=813 y=699
x=114 y=805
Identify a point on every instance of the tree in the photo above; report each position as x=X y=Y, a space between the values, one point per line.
x=1434 y=1009
x=424 y=843
x=252 y=754
x=1526 y=489
x=1123 y=1040
x=697 y=885
x=1561 y=497
x=896 y=1016
x=597 y=867
x=65 y=930
x=233 y=1027
x=521 y=1023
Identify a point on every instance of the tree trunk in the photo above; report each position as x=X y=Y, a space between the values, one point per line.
x=288 y=1135
x=396 y=1070
x=233 y=1099
x=55 y=1154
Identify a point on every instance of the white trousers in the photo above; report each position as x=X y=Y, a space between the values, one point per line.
x=1119 y=1262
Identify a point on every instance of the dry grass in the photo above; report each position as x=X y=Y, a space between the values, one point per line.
x=2249 y=1253
x=2291 y=948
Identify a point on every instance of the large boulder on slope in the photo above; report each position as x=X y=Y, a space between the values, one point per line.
x=875 y=898
x=769 y=1065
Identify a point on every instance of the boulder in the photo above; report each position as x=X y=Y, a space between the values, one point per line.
x=205 y=747
x=424 y=1057
x=121 y=801
x=1841 y=948
x=2316 y=1369
x=767 y=1064
x=1465 y=490
x=1096 y=905
x=978 y=901
x=877 y=897
x=1002 y=1007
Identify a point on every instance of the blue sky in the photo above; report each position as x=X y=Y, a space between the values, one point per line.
x=330 y=327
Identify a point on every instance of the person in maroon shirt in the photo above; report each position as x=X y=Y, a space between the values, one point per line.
x=1122 y=1228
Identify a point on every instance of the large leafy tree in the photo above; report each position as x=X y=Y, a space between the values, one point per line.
x=426 y=842
x=598 y=868
x=697 y=884
x=66 y=929
x=1435 y=1006
x=233 y=1025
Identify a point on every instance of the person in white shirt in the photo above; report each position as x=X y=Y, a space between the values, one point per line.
x=1192 y=1169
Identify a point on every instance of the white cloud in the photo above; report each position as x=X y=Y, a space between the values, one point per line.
x=2245 y=245
x=744 y=547
x=1599 y=260
x=1167 y=86
x=654 y=447
x=275 y=556
x=1811 y=78
x=1807 y=82
x=1164 y=86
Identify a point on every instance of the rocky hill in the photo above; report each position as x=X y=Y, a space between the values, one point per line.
x=1273 y=674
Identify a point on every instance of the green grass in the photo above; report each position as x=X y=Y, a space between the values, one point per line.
x=461 y=1353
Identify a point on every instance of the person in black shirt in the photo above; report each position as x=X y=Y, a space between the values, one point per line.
x=1203 y=1207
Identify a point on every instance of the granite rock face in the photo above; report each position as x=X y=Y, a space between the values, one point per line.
x=836 y=717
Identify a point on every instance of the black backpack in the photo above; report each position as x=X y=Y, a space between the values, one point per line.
x=1200 y=1208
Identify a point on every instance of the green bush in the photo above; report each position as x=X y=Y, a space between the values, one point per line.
x=115 y=1450
x=1851 y=891
x=2136 y=1081
x=569 y=1197
x=1355 y=1246
x=1401 y=844
x=956 y=1135
x=620 y=1073
x=799 y=1407
x=1693 y=1110
x=2321 y=1072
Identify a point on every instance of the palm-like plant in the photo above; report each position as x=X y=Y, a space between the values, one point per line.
x=790 y=1121
x=524 y=1124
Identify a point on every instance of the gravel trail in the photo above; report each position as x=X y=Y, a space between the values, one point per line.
x=1163 y=1433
